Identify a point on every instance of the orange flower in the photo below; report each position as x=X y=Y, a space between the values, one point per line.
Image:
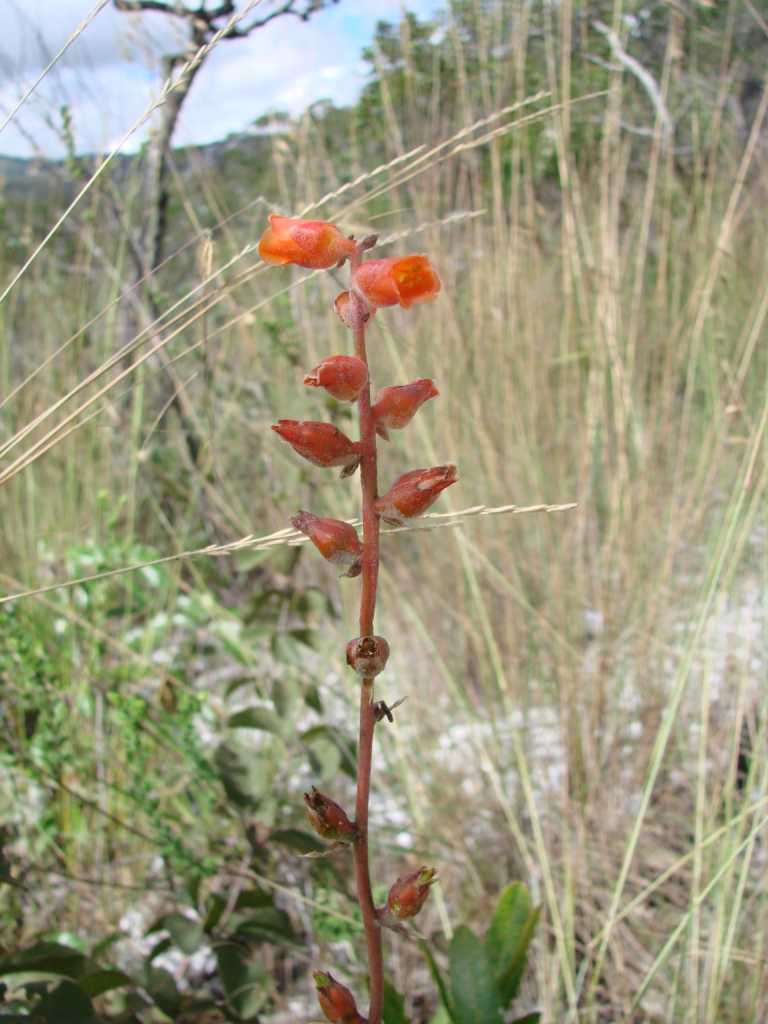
x=313 y=244
x=322 y=444
x=343 y=377
x=395 y=407
x=407 y=280
x=413 y=493
x=336 y=541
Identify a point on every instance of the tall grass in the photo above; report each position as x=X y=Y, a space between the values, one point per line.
x=586 y=689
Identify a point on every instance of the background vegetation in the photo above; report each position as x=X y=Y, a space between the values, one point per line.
x=586 y=689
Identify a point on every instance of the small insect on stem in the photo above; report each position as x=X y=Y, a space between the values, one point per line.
x=381 y=710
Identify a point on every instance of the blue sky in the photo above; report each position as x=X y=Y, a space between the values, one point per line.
x=109 y=75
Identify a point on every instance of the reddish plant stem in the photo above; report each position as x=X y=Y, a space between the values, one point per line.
x=357 y=323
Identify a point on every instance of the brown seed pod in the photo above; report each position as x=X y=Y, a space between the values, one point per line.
x=367 y=655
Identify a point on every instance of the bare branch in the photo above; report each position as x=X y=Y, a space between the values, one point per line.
x=643 y=76
x=204 y=18
x=306 y=11
x=151 y=5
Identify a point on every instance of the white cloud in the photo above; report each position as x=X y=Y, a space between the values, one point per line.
x=108 y=76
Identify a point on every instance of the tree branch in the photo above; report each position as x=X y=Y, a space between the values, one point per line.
x=289 y=7
x=152 y=5
x=203 y=17
x=643 y=76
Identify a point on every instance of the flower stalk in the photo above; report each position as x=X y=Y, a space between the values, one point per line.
x=404 y=281
x=371 y=535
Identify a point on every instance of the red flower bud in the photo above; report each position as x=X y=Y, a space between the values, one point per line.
x=413 y=493
x=322 y=444
x=328 y=819
x=408 y=895
x=307 y=243
x=341 y=308
x=367 y=655
x=395 y=407
x=343 y=377
x=336 y=1001
x=407 y=280
x=336 y=541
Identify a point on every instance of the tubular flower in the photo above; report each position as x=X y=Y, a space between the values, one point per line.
x=367 y=655
x=408 y=895
x=328 y=819
x=322 y=444
x=343 y=377
x=407 y=280
x=313 y=244
x=395 y=407
x=336 y=541
x=336 y=1001
x=413 y=493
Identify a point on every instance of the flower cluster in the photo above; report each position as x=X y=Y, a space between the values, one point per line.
x=405 y=281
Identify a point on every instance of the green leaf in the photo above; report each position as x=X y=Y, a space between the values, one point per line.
x=242 y=981
x=509 y=919
x=285 y=559
x=250 y=899
x=529 y=1018
x=235 y=684
x=162 y=990
x=101 y=947
x=324 y=758
x=158 y=948
x=440 y=1016
x=268 y=924
x=296 y=839
x=312 y=698
x=286 y=693
x=347 y=747
x=244 y=775
x=437 y=977
x=475 y=995
x=246 y=560
x=158 y=925
x=257 y=718
x=48 y=957
x=184 y=932
x=394 y=1011
x=510 y=979
x=215 y=907
x=66 y=1004
x=103 y=981
x=308 y=637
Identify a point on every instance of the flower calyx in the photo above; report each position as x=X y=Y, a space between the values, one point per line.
x=336 y=1000
x=341 y=306
x=328 y=818
x=400 y=280
x=368 y=655
x=336 y=540
x=413 y=493
x=322 y=444
x=343 y=377
x=312 y=244
x=407 y=896
x=394 y=407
